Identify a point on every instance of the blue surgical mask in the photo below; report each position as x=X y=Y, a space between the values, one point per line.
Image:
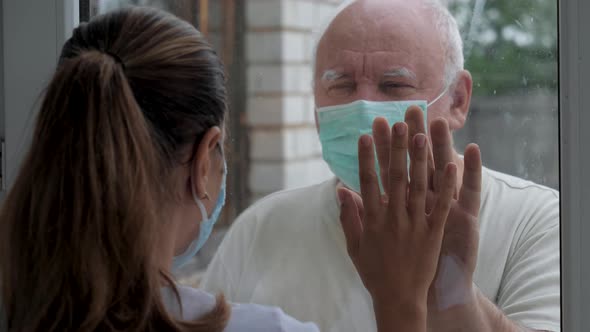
x=206 y=226
x=341 y=126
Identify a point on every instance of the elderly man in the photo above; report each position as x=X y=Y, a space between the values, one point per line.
x=289 y=249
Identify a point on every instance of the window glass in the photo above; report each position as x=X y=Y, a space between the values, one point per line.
x=510 y=49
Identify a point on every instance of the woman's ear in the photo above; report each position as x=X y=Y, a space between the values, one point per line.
x=461 y=94
x=201 y=169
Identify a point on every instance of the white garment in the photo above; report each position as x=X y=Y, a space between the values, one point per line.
x=244 y=317
x=288 y=250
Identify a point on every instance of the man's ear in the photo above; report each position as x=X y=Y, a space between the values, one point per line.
x=201 y=168
x=461 y=93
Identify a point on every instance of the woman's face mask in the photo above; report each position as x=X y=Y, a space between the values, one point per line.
x=206 y=225
x=341 y=126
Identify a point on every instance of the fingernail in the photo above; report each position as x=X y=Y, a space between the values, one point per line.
x=365 y=140
x=451 y=168
x=420 y=140
x=400 y=129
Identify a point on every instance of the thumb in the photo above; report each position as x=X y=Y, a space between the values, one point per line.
x=350 y=220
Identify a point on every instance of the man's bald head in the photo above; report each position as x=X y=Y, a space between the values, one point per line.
x=443 y=25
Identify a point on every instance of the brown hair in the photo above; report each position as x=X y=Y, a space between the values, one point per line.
x=134 y=89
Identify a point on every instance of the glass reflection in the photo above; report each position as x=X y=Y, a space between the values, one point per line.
x=510 y=49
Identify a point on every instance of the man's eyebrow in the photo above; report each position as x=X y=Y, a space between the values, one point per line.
x=332 y=75
x=400 y=72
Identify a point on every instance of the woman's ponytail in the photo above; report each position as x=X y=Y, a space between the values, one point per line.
x=81 y=226
x=93 y=160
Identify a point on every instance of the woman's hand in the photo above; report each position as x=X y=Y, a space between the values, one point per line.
x=392 y=241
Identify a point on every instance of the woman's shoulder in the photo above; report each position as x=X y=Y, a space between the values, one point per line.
x=253 y=317
x=244 y=317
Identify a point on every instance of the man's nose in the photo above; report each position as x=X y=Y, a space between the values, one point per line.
x=369 y=91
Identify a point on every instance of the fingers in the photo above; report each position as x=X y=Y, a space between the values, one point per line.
x=350 y=220
x=418 y=177
x=382 y=137
x=470 y=194
x=416 y=125
x=398 y=166
x=415 y=120
x=444 y=199
x=370 y=192
x=442 y=150
x=359 y=203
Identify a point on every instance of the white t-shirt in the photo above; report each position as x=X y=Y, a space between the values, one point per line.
x=244 y=317
x=288 y=250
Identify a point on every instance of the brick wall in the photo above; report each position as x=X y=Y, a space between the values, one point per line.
x=284 y=148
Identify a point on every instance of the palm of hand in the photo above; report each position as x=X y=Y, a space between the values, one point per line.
x=453 y=284
x=461 y=237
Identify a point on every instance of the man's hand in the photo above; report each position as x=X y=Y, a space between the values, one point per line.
x=454 y=302
x=461 y=238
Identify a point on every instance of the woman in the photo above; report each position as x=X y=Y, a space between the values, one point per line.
x=125 y=178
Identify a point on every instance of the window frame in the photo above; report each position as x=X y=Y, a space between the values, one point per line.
x=2 y=101
x=574 y=72
x=27 y=67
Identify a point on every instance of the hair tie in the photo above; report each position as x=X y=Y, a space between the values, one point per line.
x=116 y=58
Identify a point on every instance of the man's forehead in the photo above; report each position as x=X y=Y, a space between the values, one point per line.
x=358 y=43
x=337 y=61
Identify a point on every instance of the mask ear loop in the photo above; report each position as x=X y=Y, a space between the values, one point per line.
x=206 y=195
x=200 y=204
x=439 y=96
